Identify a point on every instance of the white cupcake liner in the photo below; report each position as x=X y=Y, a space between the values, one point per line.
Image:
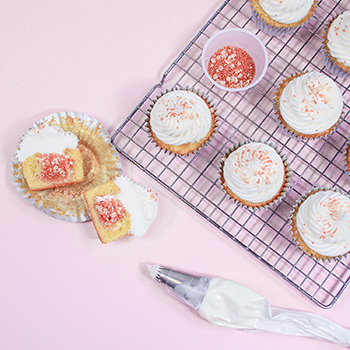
x=294 y=207
x=199 y=93
x=284 y=190
x=76 y=210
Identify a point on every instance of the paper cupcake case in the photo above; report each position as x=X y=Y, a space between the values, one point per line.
x=200 y=94
x=295 y=206
x=284 y=190
x=101 y=163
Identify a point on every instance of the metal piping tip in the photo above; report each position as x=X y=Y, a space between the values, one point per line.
x=188 y=288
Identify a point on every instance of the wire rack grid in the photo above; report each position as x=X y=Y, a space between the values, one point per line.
x=249 y=115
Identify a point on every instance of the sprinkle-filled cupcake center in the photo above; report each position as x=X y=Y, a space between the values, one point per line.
x=55 y=166
x=110 y=209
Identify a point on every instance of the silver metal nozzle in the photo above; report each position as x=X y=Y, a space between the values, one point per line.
x=188 y=288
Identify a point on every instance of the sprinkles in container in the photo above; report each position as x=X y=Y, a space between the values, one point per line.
x=48 y=139
x=182 y=121
x=278 y=18
x=308 y=106
x=319 y=224
x=234 y=60
x=336 y=45
x=255 y=174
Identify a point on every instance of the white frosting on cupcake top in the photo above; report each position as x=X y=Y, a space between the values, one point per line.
x=254 y=172
x=323 y=222
x=180 y=117
x=311 y=103
x=339 y=38
x=140 y=202
x=286 y=11
x=46 y=139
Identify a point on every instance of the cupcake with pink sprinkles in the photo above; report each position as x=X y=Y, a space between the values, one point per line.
x=255 y=175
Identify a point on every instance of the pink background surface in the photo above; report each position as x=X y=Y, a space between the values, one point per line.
x=60 y=287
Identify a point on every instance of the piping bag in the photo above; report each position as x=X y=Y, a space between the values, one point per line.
x=227 y=303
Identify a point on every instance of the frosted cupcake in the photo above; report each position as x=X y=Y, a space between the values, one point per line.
x=255 y=174
x=320 y=224
x=182 y=121
x=121 y=207
x=308 y=105
x=336 y=45
x=281 y=17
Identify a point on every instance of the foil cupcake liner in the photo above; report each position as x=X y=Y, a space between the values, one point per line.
x=290 y=133
x=292 y=213
x=329 y=61
x=283 y=192
x=67 y=203
x=200 y=94
x=345 y=159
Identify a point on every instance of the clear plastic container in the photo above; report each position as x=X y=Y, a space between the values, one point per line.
x=243 y=39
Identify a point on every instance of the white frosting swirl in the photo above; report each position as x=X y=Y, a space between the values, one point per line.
x=339 y=38
x=311 y=103
x=180 y=117
x=140 y=202
x=46 y=139
x=323 y=222
x=254 y=172
x=286 y=11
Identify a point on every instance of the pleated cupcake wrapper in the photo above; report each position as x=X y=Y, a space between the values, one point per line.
x=199 y=93
x=346 y=165
x=295 y=136
x=294 y=207
x=73 y=208
x=284 y=190
x=329 y=61
x=269 y=28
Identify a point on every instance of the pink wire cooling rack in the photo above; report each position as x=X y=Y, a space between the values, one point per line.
x=249 y=115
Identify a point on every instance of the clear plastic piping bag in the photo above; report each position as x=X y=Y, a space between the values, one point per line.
x=230 y=304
